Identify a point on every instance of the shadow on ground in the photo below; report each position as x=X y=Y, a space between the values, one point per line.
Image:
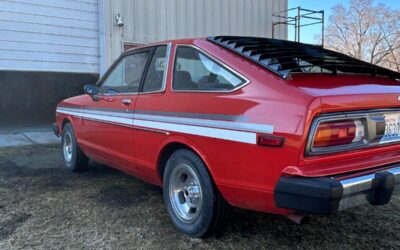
x=42 y=206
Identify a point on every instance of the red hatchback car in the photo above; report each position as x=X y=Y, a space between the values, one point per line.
x=261 y=124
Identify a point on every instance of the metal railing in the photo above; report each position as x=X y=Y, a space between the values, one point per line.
x=299 y=17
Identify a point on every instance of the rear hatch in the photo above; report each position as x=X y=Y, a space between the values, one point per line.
x=345 y=93
x=374 y=100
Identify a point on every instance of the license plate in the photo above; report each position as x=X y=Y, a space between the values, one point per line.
x=392 y=128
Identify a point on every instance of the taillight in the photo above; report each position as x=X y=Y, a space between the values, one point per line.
x=338 y=133
x=270 y=140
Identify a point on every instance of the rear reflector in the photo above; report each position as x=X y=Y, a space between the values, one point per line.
x=270 y=140
x=339 y=133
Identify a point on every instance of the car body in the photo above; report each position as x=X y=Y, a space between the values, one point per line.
x=252 y=123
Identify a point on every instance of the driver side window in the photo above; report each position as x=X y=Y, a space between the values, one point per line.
x=126 y=75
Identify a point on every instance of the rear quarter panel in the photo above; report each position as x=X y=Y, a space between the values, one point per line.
x=245 y=173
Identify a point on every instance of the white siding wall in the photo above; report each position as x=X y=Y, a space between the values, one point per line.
x=155 y=20
x=49 y=35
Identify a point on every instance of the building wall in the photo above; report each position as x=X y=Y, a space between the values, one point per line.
x=154 y=20
x=29 y=95
x=48 y=50
x=49 y=35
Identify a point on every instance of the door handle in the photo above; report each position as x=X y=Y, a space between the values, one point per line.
x=126 y=101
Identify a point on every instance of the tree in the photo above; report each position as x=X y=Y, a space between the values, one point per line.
x=366 y=31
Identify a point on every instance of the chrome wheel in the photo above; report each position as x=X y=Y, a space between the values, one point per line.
x=185 y=193
x=67 y=147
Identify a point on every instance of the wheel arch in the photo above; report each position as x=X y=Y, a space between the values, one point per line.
x=64 y=122
x=170 y=146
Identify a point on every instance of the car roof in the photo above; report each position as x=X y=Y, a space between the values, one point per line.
x=283 y=57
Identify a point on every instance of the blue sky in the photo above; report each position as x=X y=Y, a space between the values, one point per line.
x=308 y=33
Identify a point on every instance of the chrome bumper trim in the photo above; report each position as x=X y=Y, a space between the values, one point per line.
x=362 y=189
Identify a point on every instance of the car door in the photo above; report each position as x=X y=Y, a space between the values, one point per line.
x=149 y=102
x=202 y=92
x=108 y=117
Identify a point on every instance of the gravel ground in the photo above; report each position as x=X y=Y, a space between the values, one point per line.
x=44 y=207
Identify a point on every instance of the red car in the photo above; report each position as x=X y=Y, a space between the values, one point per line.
x=261 y=124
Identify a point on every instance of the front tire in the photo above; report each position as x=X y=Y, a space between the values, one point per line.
x=192 y=201
x=74 y=159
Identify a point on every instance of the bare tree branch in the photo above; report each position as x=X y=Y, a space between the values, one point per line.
x=366 y=31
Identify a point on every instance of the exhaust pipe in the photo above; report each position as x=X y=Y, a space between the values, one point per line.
x=297 y=218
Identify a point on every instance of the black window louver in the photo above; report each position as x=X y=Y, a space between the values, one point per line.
x=286 y=57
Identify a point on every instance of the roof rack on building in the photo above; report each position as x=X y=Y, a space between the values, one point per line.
x=285 y=57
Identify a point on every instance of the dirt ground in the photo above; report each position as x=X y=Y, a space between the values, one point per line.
x=44 y=207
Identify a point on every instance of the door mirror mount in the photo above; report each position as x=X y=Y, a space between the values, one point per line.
x=91 y=90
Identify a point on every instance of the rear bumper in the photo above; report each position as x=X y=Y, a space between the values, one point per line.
x=328 y=195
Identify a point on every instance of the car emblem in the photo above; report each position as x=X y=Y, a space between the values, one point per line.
x=398 y=98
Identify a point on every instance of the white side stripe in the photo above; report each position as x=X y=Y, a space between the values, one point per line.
x=221 y=124
x=125 y=121
x=231 y=135
x=250 y=127
x=219 y=133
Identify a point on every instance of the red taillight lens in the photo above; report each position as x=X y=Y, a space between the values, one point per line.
x=338 y=133
x=270 y=140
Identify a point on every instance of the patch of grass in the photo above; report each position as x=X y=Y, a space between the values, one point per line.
x=8 y=227
x=43 y=206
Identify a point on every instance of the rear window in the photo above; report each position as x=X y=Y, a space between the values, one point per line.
x=286 y=57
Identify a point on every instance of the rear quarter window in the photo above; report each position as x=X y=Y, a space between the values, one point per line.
x=196 y=71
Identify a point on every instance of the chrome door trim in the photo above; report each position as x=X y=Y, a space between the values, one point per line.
x=133 y=51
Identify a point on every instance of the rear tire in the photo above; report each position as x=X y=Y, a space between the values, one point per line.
x=74 y=159
x=191 y=199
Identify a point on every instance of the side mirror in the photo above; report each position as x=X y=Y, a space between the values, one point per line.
x=91 y=90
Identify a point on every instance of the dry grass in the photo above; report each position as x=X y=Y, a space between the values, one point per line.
x=44 y=207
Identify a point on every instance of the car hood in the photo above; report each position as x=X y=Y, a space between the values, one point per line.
x=339 y=93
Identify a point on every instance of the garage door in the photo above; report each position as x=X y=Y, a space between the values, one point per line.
x=49 y=35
